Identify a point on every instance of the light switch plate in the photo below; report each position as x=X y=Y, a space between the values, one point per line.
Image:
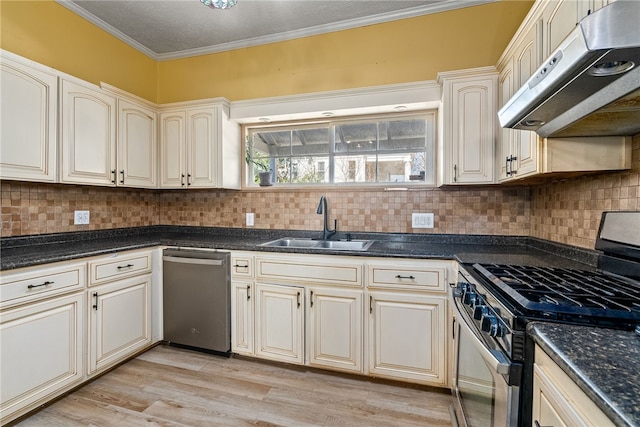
x=250 y=219
x=81 y=217
x=422 y=220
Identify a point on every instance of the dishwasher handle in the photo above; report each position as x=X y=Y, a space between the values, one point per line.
x=201 y=261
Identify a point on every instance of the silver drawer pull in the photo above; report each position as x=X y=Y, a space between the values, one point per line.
x=120 y=267
x=47 y=283
x=404 y=277
x=240 y=266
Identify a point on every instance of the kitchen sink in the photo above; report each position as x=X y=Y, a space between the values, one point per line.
x=340 y=245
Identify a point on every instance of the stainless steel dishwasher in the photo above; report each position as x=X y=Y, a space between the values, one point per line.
x=196 y=299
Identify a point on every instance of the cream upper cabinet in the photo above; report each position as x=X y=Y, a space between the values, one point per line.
x=137 y=145
x=522 y=153
x=199 y=148
x=558 y=401
x=28 y=113
x=88 y=122
x=518 y=149
x=467 y=143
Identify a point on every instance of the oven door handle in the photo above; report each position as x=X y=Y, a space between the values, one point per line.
x=494 y=358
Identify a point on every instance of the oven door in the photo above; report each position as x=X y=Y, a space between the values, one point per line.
x=483 y=396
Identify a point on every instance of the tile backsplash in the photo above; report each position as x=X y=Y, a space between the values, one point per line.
x=566 y=211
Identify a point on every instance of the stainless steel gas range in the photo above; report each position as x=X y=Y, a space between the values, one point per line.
x=494 y=302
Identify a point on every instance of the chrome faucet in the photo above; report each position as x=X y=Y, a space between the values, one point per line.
x=322 y=209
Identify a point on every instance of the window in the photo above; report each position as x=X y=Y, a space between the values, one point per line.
x=391 y=149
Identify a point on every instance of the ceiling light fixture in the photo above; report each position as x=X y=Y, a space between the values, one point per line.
x=219 y=4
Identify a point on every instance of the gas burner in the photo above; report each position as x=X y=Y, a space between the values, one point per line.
x=553 y=290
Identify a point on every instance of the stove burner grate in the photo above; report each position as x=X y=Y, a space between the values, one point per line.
x=560 y=290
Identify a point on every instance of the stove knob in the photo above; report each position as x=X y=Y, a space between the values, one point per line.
x=480 y=311
x=490 y=324
x=469 y=297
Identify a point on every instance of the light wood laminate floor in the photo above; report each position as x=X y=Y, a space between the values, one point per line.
x=167 y=386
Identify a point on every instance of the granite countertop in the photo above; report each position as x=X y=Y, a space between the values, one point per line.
x=27 y=251
x=604 y=363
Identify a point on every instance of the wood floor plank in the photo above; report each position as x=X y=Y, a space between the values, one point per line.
x=171 y=387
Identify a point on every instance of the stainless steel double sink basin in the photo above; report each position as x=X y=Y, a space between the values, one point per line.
x=302 y=243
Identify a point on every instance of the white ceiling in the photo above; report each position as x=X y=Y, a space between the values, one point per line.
x=169 y=29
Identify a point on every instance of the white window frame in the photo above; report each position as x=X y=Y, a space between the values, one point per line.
x=329 y=168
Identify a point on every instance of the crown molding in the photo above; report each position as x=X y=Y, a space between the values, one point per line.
x=442 y=6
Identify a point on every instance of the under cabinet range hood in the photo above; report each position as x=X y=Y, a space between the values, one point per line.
x=590 y=86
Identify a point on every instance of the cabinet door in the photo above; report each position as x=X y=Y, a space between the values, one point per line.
x=526 y=60
x=173 y=150
x=335 y=329
x=242 y=317
x=470 y=125
x=506 y=88
x=407 y=336
x=544 y=410
x=119 y=321
x=137 y=153
x=41 y=353
x=28 y=113
x=202 y=126
x=560 y=18
x=279 y=323
x=88 y=135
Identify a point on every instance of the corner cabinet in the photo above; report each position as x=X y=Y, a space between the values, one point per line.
x=29 y=117
x=199 y=148
x=466 y=145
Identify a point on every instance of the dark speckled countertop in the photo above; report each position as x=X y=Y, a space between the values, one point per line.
x=604 y=363
x=26 y=251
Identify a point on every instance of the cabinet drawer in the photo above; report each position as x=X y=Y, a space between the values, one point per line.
x=119 y=266
x=241 y=265
x=309 y=270
x=398 y=275
x=34 y=283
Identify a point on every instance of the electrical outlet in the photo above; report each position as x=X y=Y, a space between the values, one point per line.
x=250 y=219
x=80 y=217
x=422 y=220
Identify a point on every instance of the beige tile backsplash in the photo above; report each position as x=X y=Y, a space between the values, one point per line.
x=565 y=211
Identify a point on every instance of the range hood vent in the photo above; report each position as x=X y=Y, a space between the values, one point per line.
x=590 y=86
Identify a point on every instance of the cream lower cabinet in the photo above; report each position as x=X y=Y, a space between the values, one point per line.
x=279 y=311
x=407 y=336
x=242 y=297
x=558 y=401
x=334 y=328
x=407 y=319
x=119 y=321
x=41 y=353
x=119 y=307
x=242 y=307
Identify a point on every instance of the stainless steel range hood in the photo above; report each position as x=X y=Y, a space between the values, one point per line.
x=590 y=86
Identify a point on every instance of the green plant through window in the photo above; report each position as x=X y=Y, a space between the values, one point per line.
x=388 y=149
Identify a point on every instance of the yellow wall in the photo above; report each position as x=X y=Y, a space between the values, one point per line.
x=52 y=35
x=402 y=51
